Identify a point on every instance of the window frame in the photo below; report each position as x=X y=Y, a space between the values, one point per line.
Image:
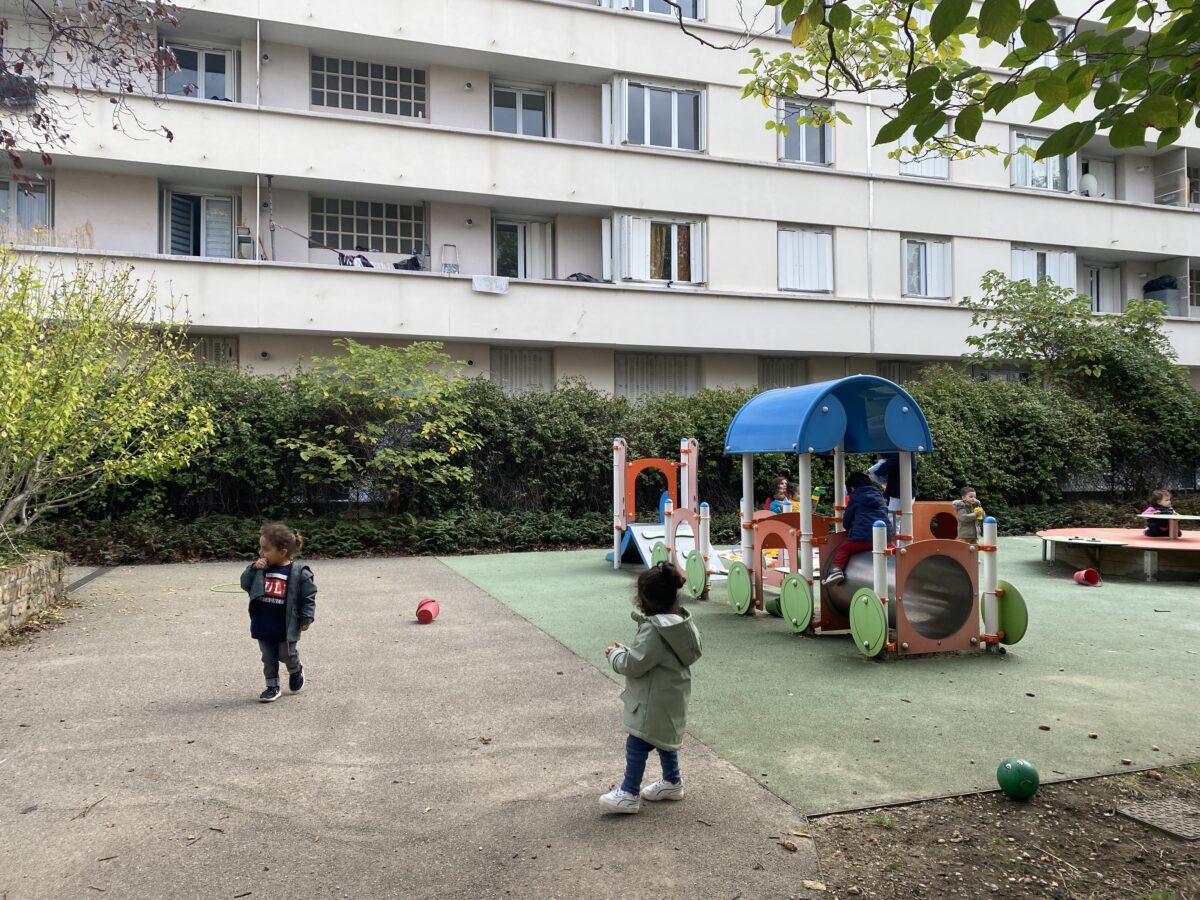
x=632 y=6
x=546 y=357
x=1025 y=164
x=319 y=236
x=830 y=266
x=908 y=139
x=14 y=188
x=690 y=362
x=413 y=85
x=788 y=362
x=232 y=69
x=827 y=137
x=625 y=250
x=204 y=195
x=1044 y=264
x=520 y=90
x=524 y=246
x=676 y=89
x=1093 y=284
x=948 y=268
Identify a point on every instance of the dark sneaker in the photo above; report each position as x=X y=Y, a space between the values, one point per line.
x=296 y=680
x=270 y=694
x=835 y=576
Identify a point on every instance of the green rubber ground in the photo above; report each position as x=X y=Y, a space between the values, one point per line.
x=801 y=714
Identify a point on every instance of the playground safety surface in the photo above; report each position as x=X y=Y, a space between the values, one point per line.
x=827 y=729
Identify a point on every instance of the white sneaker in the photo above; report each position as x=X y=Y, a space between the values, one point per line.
x=621 y=802
x=663 y=790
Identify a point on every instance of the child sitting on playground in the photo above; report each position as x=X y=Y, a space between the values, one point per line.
x=866 y=506
x=1160 y=502
x=779 y=493
x=658 y=683
x=969 y=512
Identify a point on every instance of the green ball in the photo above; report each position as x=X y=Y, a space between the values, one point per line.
x=1017 y=778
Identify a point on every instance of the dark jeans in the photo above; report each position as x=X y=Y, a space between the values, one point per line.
x=275 y=653
x=636 y=751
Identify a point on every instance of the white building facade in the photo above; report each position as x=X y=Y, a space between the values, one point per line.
x=585 y=193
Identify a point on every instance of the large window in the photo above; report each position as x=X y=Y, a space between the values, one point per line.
x=199 y=223
x=689 y=9
x=926 y=267
x=661 y=249
x=367 y=226
x=206 y=73
x=1035 y=265
x=782 y=371
x=638 y=374
x=25 y=204
x=523 y=249
x=928 y=164
x=1103 y=286
x=1056 y=173
x=657 y=116
x=368 y=87
x=811 y=144
x=806 y=259
x=520 y=369
x=521 y=111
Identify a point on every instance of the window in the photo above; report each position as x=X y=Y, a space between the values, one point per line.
x=1049 y=59
x=1103 y=287
x=653 y=249
x=1057 y=173
x=367 y=226
x=520 y=369
x=638 y=374
x=1194 y=288
x=806 y=259
x=930 y=164
x=803 y=143
x=1037 y=265
x=658 y=116
x=368 y=87
x=203 y=72
x=689 y=9
x=520 y=111
x=926 y=267
x=216 y=350
x=25 y=204
x=898 y=371
x=523 y=249
x=781 y=371
x=199 y=224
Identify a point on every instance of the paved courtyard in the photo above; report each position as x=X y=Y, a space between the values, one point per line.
x=459 y=760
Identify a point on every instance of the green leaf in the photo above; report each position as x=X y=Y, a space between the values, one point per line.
x=1107 y=94
x=924 y=79
x=930 y=126
x=1066 y=140
x=1118 y=13
x=1158 y=112
x=998 y=19
x=999 y=96
x=892 y=131
x=1051 y=90
x=946 y=18
x=966 y=125
x=1127 y=132
x=1041 y=11
x=1168 y=137
x=1038 y=36
x=840 y=16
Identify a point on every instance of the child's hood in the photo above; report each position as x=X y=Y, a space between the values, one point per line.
x=679 y=631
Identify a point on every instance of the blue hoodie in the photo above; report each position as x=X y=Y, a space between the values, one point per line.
x=865 y=507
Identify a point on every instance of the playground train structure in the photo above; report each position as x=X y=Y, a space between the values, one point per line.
x=929 y=593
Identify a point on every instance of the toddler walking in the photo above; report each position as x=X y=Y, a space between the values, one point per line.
x=283 y=603
x=658 y=683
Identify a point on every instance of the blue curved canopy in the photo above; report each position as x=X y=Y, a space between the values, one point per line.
x=866 y=413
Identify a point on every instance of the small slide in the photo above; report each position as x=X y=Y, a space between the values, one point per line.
x=640 y=538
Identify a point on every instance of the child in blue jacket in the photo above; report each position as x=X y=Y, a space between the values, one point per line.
x=865 y=508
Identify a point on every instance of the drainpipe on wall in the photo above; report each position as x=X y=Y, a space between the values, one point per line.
x=870 y=212
x=271 y=215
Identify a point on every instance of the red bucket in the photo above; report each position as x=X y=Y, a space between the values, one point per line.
x=427 y=611
x=1088 y=578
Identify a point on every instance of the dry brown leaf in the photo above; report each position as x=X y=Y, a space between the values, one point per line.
x=788 y=845
x=813 y=885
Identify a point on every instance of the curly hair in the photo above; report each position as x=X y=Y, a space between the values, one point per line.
x=283 y=537
x=658 y=589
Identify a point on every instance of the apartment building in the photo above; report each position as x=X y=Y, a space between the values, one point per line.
x=575 y=187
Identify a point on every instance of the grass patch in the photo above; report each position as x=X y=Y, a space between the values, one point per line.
x=881 y=821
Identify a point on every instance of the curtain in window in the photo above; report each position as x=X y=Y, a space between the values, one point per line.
x=683 y=252
x=638 y=374
x=518 y=369
x=660 y=251
x=805 y=260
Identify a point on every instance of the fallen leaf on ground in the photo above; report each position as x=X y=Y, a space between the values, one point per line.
x=813 y=885
x=485 y=740
x=788 y=845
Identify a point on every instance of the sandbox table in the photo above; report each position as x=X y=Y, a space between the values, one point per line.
x=1172 y=521
x=1122 y=542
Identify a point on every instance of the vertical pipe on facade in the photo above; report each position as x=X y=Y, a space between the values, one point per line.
x=870 y=216
x=258 y=106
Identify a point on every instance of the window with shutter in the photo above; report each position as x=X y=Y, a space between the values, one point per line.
x=1055 y=173
x=928 y=164
x=654 y=249
x=926 y=267
x=1035 y=264
x=639 y=374
x=804 y=143
x=519 y=370
x=781 y=371
x=805 y=260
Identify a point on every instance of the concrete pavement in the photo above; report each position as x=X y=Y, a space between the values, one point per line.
x=458 y=760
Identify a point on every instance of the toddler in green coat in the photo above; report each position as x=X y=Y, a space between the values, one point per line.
x=658 y=683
